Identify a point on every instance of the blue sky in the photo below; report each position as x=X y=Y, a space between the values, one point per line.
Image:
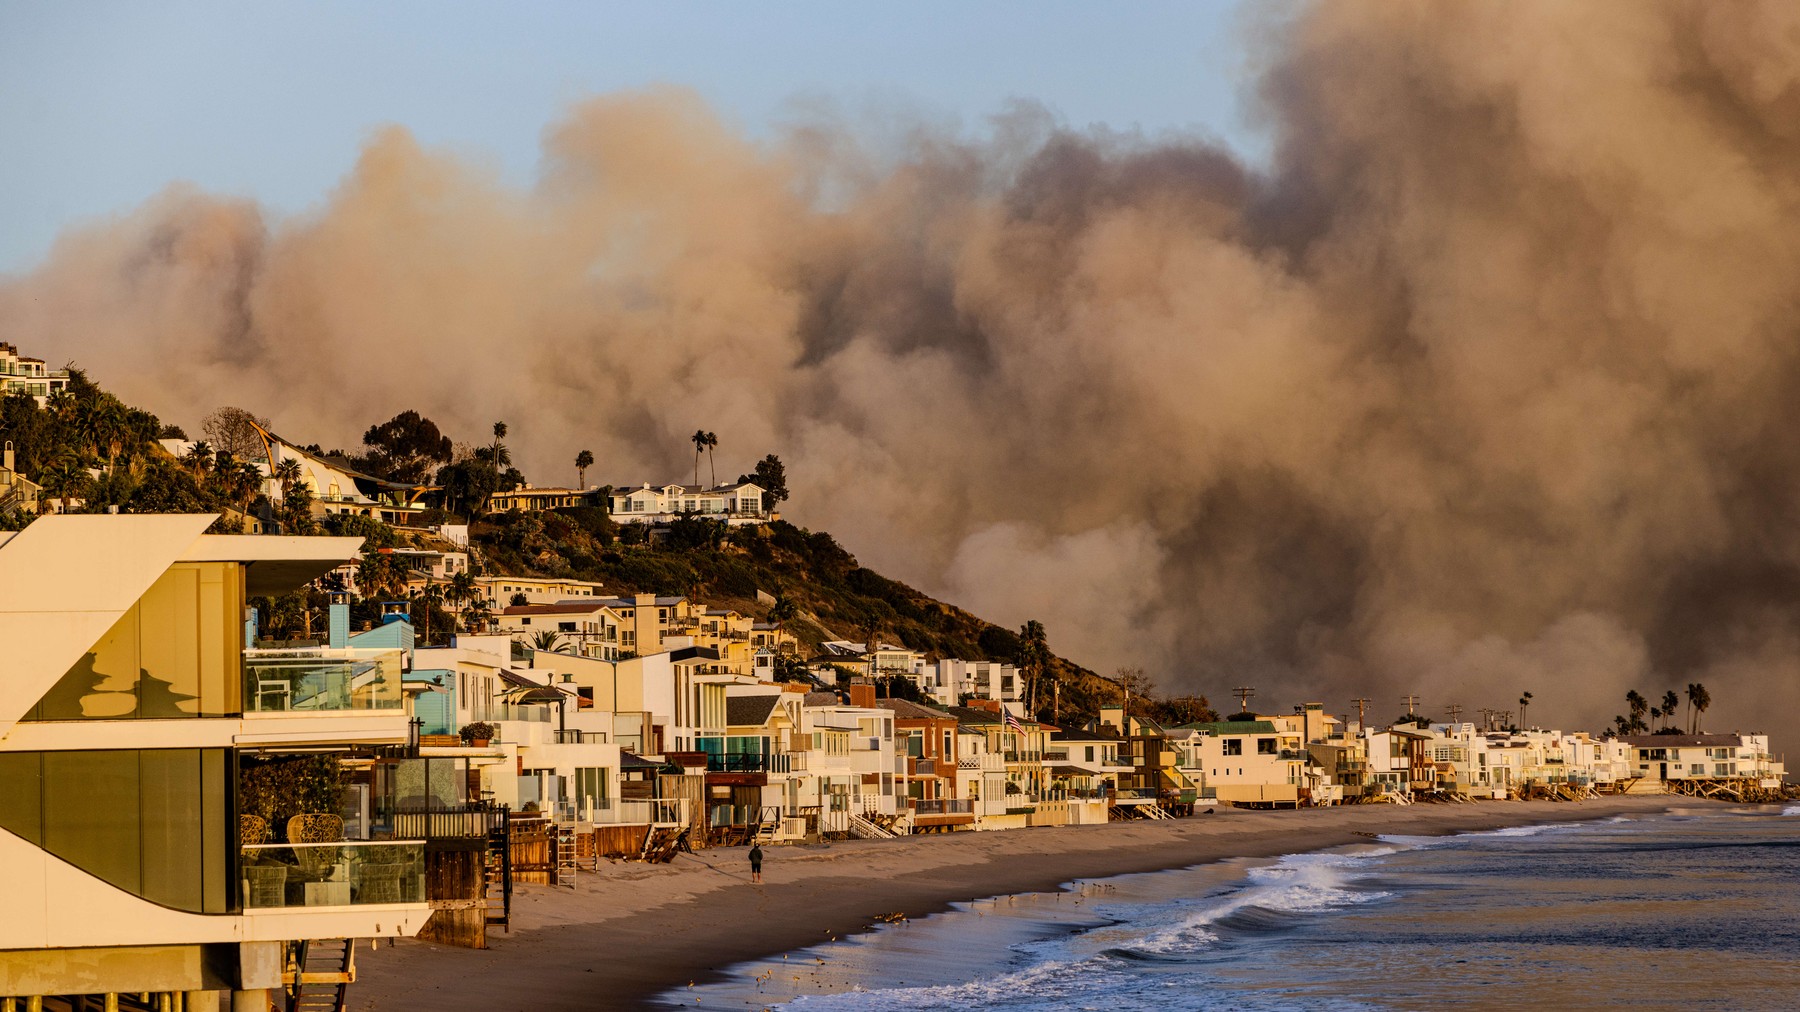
x=104 y=104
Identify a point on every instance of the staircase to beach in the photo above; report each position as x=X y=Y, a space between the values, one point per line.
x=323 y=970
x=863 y=828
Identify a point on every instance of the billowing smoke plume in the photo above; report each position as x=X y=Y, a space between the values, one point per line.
x=1487 y=384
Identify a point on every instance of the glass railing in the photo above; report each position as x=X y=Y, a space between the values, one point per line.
x=349 y=873
x=282 y=681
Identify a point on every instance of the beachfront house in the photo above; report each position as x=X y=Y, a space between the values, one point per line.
x=926 y=737
x=136 y=744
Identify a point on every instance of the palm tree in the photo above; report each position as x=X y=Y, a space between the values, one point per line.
x=1638 y=704
x=783 y=609
x=1701 y=699
x=1670 y=703
x=66 y=480
x=460 y=591
x=432 y=596
x=200 y=458
x=476 y=615
x=1034 y=654
x=494 y=458
x=1524 y=704
x=583 y=461
x=1623 y=724
x=712 y=443
x=699 y=441
x=545 y=640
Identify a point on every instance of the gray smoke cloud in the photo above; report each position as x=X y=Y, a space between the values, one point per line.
x=1484 y=385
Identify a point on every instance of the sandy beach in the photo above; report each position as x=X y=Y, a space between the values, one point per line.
x=633 y=930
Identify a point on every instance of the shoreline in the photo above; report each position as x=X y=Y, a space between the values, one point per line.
x=631 y=932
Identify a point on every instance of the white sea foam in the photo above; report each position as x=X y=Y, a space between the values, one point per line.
x=1791 y=810
x=1295 y=884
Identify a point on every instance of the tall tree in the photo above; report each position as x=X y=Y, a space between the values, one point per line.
x=405 y=447
x=233 y=430
x=712 y=443
x=1638 y=706
x=583 y=461
x=771 y=477
x=460 y=591
x=699 y=441
x=1670 y=703
x=1524 y=704
x=1034 y=657
x=497 y=456
x=1701 y=699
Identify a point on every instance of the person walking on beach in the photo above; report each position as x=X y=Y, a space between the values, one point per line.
x=756 y=862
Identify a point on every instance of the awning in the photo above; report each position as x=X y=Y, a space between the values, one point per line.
x=1071 y=771
x=629 y=761
x=535 y=694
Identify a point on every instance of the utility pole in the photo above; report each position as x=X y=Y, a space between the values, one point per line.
x=1243 y=692
x=1455 y=711
x=1487 y=719
x=1362 y=703
x=1411 y=702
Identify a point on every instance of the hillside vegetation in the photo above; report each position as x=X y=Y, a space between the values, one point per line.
x=88 y=446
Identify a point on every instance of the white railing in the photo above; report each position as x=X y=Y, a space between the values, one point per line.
x=637 y=812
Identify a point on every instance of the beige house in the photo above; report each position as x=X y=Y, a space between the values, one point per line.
x=17 y=492
x=20 y=374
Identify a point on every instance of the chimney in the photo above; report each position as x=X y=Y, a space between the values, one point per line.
x=862 y=694
x=339 y=621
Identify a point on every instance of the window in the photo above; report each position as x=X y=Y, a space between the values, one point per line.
x=176 y=653
x=1265 y=746
x=151 y=822
x=1232 y=746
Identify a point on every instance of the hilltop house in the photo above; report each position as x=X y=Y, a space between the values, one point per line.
x=29 y=377
x=527 y=499
x=738 y=503
x=338 y=490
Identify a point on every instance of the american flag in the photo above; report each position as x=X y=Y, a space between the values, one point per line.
x=1012 y=722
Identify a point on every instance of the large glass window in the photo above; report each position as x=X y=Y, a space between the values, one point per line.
x=175 y=653
x=152 y=822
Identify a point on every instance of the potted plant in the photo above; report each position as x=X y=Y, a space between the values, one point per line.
x=478 y=734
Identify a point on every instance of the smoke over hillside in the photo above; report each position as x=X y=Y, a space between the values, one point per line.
x=1486 y=385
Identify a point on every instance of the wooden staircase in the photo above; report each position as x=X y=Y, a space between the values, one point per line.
x=863 y=828
x=499 y=877
x=320 y=975
x=567 y=854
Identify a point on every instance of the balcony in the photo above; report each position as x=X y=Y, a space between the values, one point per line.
x=287 y=681
x=350 y=873
x=629 y=812
x=941 y=806
x=1025 y=757
x=567 y=737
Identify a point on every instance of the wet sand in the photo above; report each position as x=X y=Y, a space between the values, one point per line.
x=631 y=931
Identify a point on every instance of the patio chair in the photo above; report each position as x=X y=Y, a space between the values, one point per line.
x=252 y=830
x=316 y=863
x=381 y=883
x=265 y=885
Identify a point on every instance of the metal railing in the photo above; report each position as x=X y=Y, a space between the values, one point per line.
x=748 y=762
x=348 y=873
x=280 y=681
x=941 y=806
x=571 y=737
x=1024 y=757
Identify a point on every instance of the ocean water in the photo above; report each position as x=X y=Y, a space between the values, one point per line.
x=1697 y=909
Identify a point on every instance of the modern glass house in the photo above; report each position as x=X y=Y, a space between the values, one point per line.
x=129 y=705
